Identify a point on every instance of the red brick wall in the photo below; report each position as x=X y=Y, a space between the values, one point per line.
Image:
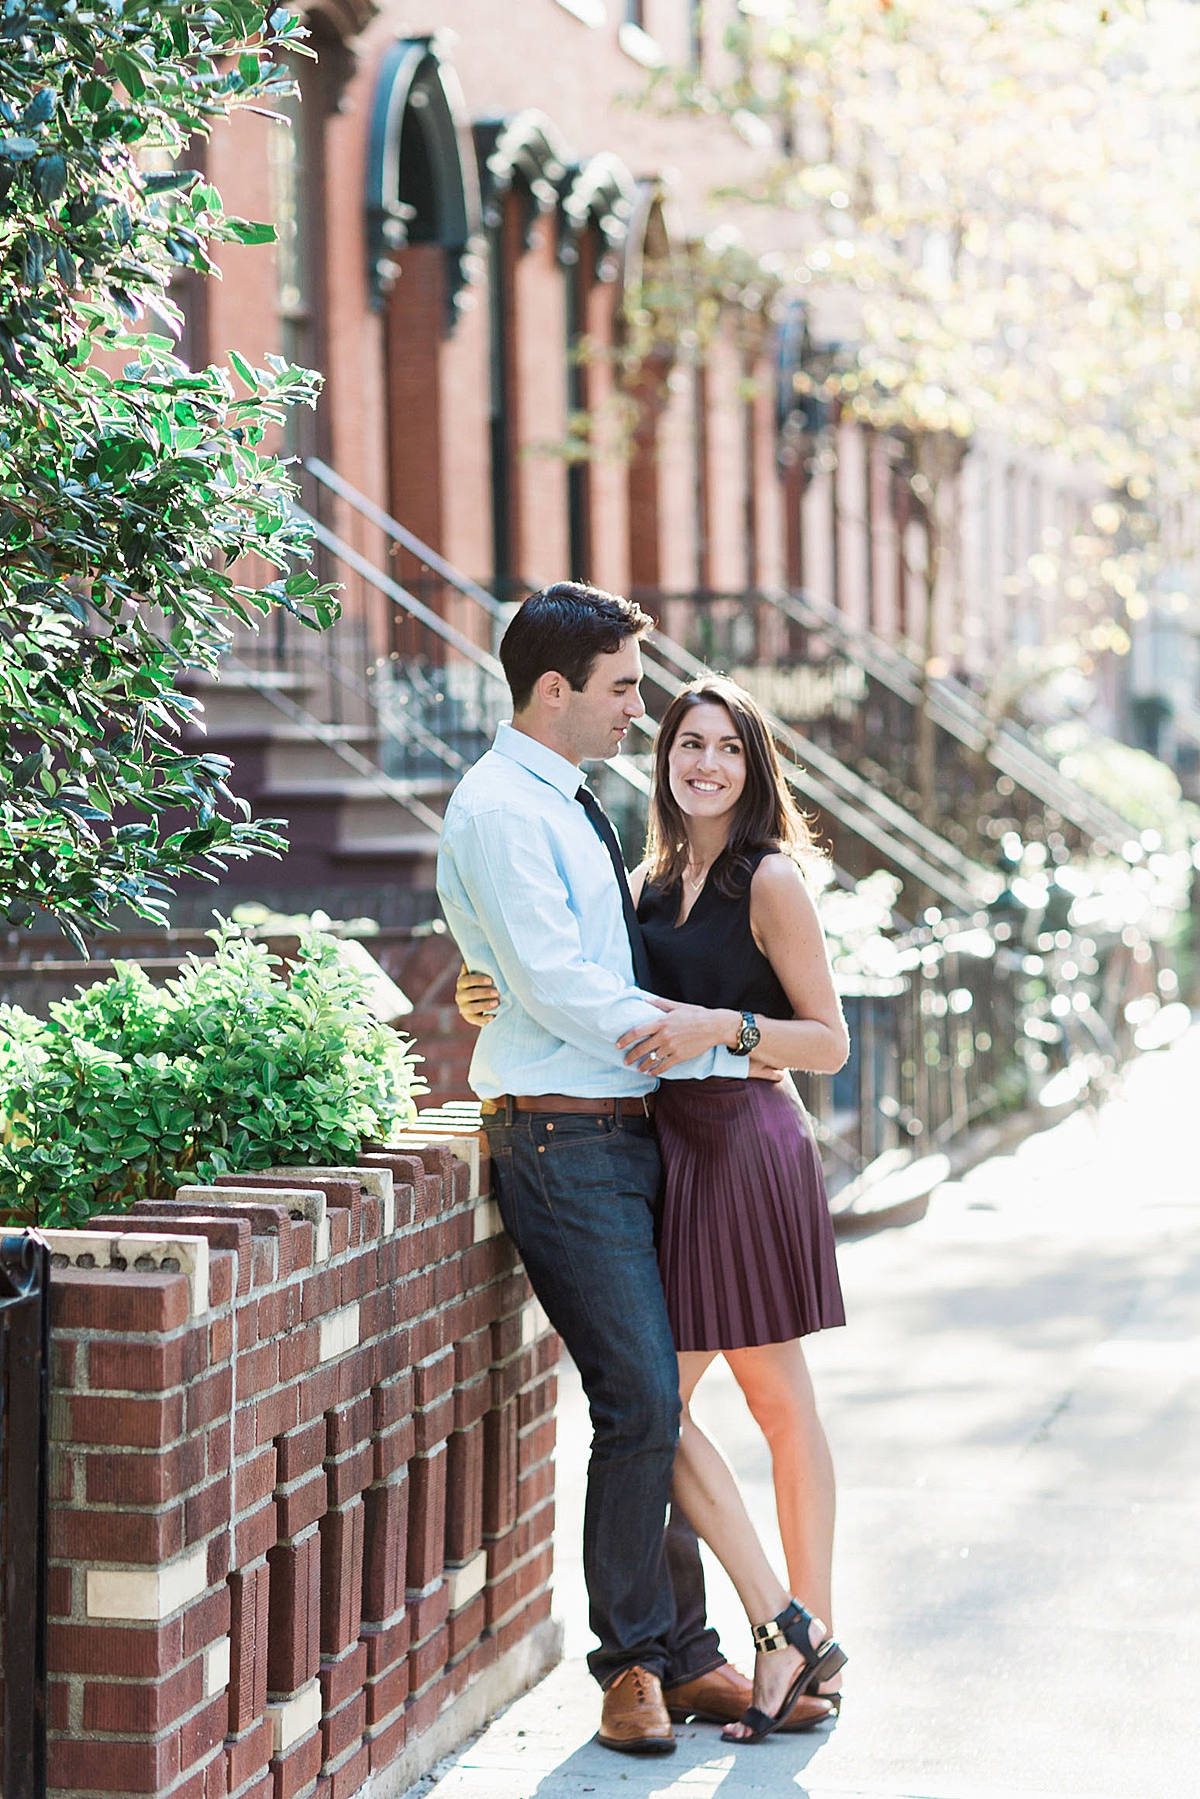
x=292 y=1520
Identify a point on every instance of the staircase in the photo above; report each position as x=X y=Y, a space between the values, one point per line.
x=357 y=736
x=859 y=696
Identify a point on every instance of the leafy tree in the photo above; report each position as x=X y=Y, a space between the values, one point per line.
x=995 y=198
x=130 y=493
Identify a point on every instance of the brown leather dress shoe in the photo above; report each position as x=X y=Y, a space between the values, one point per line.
x=719 y=1696
x=634 y=1719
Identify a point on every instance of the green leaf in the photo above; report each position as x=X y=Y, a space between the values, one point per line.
x=161 y=181
x=129 y=75
x=245 y=231
x=39 y=110
x=50 y=177
x=244 y=369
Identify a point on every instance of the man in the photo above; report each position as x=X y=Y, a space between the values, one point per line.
x=534 y=890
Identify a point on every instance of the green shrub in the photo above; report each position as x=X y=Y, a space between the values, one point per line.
x=130 y=1090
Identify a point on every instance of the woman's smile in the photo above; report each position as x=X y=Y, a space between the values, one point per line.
x=707 y=761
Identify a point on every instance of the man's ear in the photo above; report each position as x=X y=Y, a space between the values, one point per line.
x=551 y=688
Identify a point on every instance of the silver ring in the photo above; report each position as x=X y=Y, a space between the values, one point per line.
x=654 y=1055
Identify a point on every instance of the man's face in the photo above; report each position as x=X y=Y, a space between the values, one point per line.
x=597 y=719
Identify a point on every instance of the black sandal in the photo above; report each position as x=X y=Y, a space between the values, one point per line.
x=791 y=1630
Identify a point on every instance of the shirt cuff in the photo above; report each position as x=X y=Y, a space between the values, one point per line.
x=725 y=1063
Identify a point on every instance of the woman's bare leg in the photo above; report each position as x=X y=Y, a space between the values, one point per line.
x=708 y=1494
x=775 y=1380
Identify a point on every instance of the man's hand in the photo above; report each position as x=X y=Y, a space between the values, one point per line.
x=476 y=997
x=686 y=1031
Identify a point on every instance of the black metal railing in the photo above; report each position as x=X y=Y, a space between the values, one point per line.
x=971 y=1022
x=24 y=1418
x=856 y=695
x=429 y=674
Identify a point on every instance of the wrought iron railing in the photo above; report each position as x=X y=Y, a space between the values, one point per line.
x=24 y=1412
x=858 y=695
x=422 y=676
x=972 y=1021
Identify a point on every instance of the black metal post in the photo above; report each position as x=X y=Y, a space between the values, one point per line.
x=24 y=1422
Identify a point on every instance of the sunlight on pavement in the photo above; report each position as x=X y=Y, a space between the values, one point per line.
x=1146 y=1356
x=697 y=1782
x=1016 y=1424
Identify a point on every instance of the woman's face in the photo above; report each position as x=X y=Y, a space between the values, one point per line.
x=706 y=763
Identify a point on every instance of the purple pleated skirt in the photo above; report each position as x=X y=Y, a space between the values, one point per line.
x=746 y=1251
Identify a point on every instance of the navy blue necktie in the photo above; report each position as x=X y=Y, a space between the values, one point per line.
x=602 y=825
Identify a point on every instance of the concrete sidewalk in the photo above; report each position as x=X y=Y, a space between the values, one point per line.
x=1015 y=1414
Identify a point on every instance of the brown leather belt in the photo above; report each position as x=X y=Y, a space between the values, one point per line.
x=570 y=1102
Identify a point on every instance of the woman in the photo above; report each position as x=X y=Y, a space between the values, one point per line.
x=747 y=1251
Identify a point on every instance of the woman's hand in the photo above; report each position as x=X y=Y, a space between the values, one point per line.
x=762 y=1070
x=476 y=997
x=686 y=1031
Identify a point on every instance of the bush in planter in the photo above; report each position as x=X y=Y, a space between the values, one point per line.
x=130 y=1090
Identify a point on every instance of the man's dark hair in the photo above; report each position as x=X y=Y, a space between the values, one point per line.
x=565 y=628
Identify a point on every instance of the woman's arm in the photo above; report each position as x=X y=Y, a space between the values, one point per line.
x=788 y=931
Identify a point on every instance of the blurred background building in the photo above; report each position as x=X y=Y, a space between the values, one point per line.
x=557 y=343
x=549 y=351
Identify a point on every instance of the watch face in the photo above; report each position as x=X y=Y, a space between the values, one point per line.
x=750 y=1036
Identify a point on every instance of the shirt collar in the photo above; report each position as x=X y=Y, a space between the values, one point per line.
x=541 y=761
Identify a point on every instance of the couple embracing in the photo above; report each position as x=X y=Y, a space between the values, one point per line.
x=651 y=1160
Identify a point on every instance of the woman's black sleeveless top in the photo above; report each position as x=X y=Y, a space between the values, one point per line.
x=711 y=959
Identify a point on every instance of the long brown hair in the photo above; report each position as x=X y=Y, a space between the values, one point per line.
x=766 y=817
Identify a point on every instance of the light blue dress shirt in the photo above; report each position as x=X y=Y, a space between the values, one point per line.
x=529 y=894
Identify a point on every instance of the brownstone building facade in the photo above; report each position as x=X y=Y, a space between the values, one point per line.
x=550 y=352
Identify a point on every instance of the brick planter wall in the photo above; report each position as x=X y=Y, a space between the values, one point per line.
x=301 y=1482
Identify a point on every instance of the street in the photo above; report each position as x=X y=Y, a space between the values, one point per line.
x=1015 y=1416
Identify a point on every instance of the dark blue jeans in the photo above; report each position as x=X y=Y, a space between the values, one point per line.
x=578 y=1195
